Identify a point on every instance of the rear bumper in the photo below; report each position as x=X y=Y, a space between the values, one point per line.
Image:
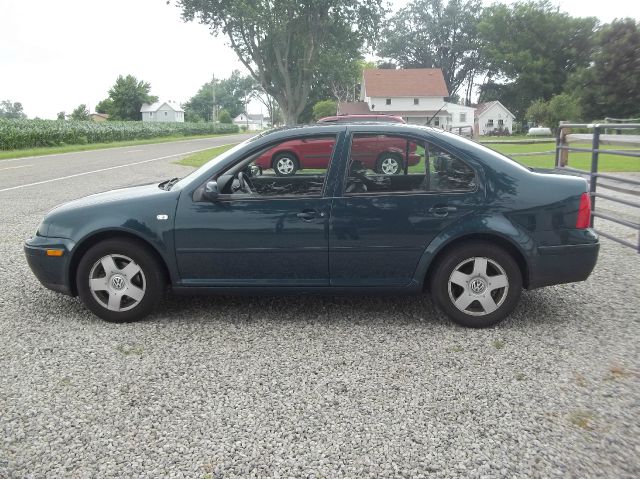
x=51 y=271
x=563 y=264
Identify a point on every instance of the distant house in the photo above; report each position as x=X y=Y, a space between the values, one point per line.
x=251 y=122
x=99 y=117
x=491 y=116
x=418 y=95
x=162 y=111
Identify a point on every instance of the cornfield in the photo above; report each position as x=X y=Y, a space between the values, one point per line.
x=21 y=134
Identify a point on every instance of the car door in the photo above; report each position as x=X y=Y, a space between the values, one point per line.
x=380 y=228
x=276 y=236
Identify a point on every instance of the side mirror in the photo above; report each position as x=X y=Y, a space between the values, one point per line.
x=255 y=170
x=211 y=190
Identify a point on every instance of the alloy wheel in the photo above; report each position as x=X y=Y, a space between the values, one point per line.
x=389 y=166
x=478 y=286
x=285 y=165
x=117 y=282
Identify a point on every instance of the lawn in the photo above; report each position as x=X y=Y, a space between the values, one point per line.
x=201 y=157
x=580 y=160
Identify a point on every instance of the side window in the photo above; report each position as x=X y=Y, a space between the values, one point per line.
x=385 y=164
x=290 y=168
x=448 y=173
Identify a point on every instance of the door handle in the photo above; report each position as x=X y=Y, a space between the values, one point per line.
x=442 y=210
x=310 y=215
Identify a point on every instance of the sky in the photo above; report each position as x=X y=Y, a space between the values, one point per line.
x=55 y=55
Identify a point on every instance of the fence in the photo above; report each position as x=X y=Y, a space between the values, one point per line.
x=626 y=186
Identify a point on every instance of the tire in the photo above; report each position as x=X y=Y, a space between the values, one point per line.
x=386 y=162
x=111 y=269
x=471 y=297
x=285 y=164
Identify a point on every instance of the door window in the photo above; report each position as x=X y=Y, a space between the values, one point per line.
x=395 y=164
x=290 y=168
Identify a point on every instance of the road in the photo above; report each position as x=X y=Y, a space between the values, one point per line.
x=304 y=386
x=63 y=168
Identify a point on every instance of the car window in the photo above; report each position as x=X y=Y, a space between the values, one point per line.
x=290 y=168
x=396 y=164
x=385 y=163
x=447 y=172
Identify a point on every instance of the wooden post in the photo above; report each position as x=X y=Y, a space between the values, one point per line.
x=563 y=153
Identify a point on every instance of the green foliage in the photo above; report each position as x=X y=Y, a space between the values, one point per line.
x=231 y=94
x=224 y=117
x=281 y=43
x=125 y=99
x=61 y=115
x=11 y=111
x=435 y=34
x=200 y=158
x=563 y=107
x=529 y=49
x=81 y=113
x=20 y=134
x=324 y=108
x=610 y=87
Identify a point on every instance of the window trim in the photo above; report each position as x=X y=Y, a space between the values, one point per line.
x=425 y=142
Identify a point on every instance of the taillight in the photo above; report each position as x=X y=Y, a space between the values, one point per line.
x=584 y=212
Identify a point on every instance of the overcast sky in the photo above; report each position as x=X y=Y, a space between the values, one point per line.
x=55 y=55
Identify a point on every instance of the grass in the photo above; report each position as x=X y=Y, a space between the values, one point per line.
x=201 y=157
x=10 y=154
x=580 y=160
x=498 y=344
x=582 y=419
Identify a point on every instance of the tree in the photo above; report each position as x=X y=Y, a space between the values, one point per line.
x=224 y=117
x=530 y=49
x=610 y=87
x=280 y=43
x=125 y=99
x=61 y=115
x=275 y=115
x=11 y=111
x=563 y=107
x=231 y=95
x=324 y=108
x=435 y=34
x=81 y=113
x=105 y=106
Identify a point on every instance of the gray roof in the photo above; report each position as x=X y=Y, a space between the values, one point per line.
x=157 y=105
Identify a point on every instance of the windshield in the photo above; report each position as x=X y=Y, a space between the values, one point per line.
x=185 y=180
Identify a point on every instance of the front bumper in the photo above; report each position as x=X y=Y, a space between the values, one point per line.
x=563 y=264
x=51 y=271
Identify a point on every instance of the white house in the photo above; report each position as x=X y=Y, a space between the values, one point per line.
x=251 y=122
x=418 y=95
x=162 y=111
x=492 y=116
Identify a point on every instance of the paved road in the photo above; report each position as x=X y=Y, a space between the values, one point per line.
x=38 y=170
x=305 y=386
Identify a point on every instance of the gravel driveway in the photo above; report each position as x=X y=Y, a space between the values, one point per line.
x=312 y=386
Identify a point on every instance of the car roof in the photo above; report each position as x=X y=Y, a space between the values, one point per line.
x=363 y=117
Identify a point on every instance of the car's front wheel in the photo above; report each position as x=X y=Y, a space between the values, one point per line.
x=389 y=164
x=119 y=280
x=476 y=284
x=285 y=164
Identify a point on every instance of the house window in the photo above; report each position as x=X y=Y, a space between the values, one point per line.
x=388 y=101
x=165 y=113
x=490 y=123
x=416 y=101
x=150 y=113
x=463 y=117
x=500 y=122
x=436 y=121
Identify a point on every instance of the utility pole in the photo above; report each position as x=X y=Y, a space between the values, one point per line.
x=213 y=113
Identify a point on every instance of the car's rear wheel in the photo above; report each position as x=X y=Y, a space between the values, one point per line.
x=476 y=284
x=389 y=164
x=119 y=280
x=285 y=164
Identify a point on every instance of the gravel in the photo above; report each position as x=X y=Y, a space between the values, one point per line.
x=302 y=386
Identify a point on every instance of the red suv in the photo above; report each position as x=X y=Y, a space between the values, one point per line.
x=380 y=153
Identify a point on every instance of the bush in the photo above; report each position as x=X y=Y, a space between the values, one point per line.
x=22 y=134
x=324 y=108
x=224 y=117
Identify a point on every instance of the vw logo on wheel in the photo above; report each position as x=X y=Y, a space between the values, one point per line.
x=477 y=286
x=117 y=282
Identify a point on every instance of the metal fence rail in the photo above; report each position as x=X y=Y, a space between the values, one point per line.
x=561 y=160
